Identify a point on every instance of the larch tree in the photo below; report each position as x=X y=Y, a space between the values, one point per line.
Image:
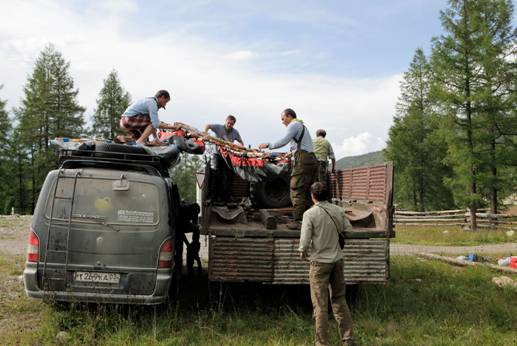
x=112 y=102
x=414 y=146
x=49 y=109
x=6 y=162
x=459 y=62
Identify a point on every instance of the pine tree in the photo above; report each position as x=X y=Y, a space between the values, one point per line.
x=6 y=163
x=414 y=146
x=112 y=102
x=49 y=109
x=66 y=117
x=184 y=175
x=461 y=70
x=499 y=102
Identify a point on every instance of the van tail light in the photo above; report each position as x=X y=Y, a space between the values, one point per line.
x=165 y=259
x=33 y=247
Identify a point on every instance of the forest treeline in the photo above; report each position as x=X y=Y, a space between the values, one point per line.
x=453 y=142
x=454 y=138
x=49 y=108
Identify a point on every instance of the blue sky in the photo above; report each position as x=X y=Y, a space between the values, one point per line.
x=337 y=63
x=342 y=38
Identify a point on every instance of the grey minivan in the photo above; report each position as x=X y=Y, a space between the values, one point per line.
x=103 y=229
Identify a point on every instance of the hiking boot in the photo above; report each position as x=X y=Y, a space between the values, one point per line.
x=294 y=225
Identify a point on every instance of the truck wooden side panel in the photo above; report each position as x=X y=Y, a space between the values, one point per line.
x=251 y=253
x=276 y=260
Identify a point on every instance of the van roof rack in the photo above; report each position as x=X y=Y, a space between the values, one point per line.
x=118 y=158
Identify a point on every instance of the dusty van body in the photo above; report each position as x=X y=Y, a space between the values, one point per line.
x=103 y=231
x=249 y=241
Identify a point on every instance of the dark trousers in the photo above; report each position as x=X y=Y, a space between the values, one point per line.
x=323 y=171
x=305 y=170
x=224 y=180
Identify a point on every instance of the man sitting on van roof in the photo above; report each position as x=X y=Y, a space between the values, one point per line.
x=140 y=120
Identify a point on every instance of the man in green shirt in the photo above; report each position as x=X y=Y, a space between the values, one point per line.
x=323 y=151
x=320 y=227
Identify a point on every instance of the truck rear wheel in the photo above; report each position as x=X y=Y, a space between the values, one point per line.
x=274 y=193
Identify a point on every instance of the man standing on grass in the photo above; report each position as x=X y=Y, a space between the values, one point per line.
x=320 y=227
x=305 y=164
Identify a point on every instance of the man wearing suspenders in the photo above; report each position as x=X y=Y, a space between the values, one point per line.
x=305 y=165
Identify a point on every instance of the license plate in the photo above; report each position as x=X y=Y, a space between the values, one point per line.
x=109 y=278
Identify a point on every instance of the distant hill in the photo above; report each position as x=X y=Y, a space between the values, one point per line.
x=368 y=159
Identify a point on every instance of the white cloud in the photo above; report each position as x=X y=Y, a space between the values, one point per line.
x=361 y=144
x=241 y=55
x=118 y=6
x=206 y=83
x=290 y=52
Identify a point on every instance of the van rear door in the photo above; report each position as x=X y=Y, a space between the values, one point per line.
x=118 y=224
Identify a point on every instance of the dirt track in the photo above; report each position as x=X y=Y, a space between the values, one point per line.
x=405 y=249
x=14 y=230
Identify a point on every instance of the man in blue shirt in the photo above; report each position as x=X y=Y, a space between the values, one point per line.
x=140 y=120
x=226 y=131
x=305 y=164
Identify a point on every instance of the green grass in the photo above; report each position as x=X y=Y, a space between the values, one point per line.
x=425 y=303
x=454 y=235
x=17 y=312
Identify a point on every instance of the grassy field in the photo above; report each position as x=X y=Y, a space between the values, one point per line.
x=448 y=236
x=425 y=303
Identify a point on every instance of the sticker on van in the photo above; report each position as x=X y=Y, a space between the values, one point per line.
x=135 y=216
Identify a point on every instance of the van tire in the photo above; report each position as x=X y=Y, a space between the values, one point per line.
x=274 y=193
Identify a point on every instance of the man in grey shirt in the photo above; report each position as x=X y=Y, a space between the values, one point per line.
x=226 y=131
x=225 y=171
x=320 y=227
x=305 y=164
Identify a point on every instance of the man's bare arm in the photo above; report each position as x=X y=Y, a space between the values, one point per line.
x=207 y=127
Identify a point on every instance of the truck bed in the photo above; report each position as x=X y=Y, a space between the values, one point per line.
x=257 y=230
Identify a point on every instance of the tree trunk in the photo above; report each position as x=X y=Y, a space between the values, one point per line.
x=415 y=200
x=470 y=139
x=493 y=171
x=33 y=173
x=493 y=190
x=20 y=183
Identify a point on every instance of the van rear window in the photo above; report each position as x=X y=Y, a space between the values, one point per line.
x=105 y=201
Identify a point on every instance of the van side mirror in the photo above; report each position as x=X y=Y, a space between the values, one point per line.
x=122 y=184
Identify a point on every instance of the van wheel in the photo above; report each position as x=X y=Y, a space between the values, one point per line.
x=119 y=148
x=274 y=193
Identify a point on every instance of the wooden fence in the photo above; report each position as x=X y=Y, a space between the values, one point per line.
x=458 y=217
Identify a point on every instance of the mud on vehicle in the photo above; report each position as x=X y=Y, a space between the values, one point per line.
x=249 y=240
x=104 y=229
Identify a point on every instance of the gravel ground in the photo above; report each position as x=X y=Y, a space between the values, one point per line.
x=404 y=249
x=14 y=230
